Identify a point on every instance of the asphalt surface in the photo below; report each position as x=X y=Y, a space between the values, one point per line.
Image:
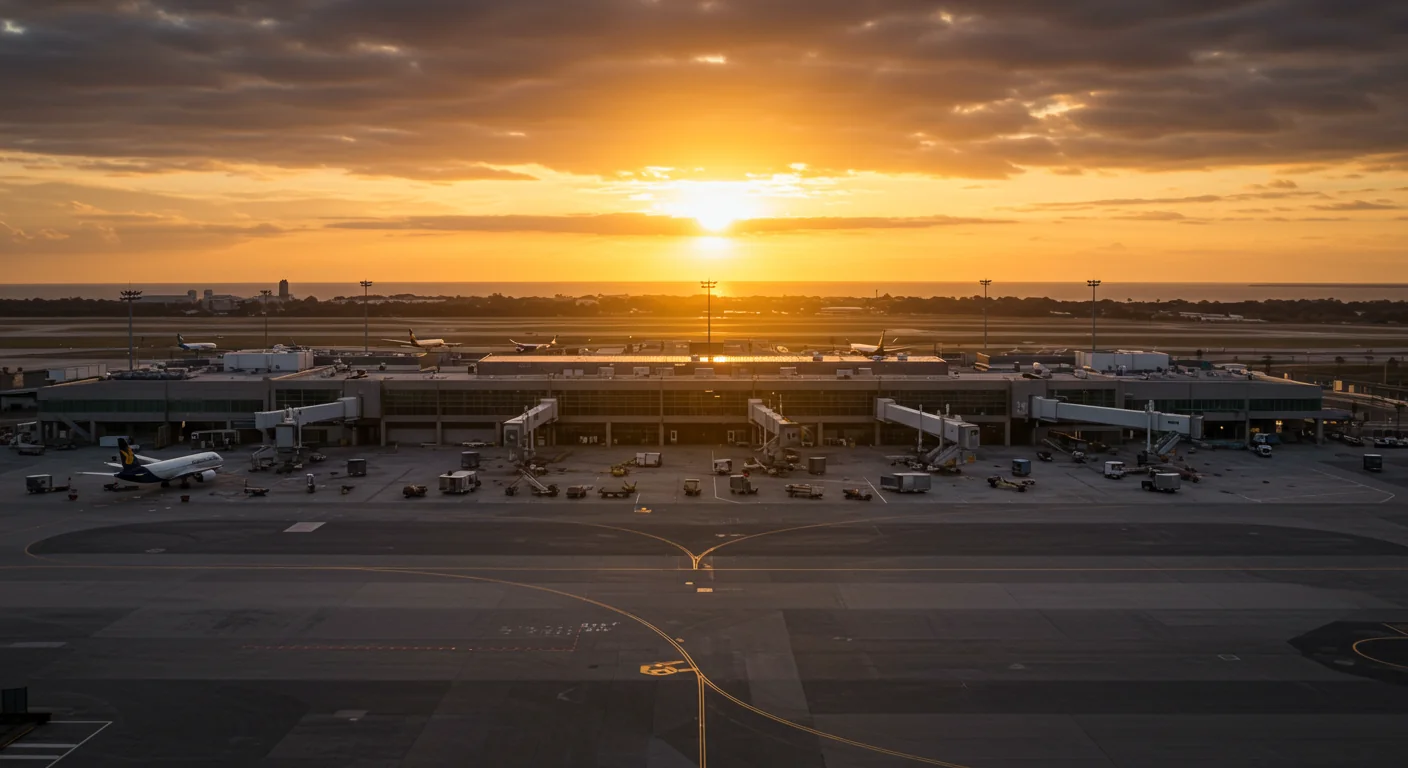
x=823 y=635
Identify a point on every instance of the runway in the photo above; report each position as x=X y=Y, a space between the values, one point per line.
x=984 y=636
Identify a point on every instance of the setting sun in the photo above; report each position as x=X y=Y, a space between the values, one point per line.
x=716 y=205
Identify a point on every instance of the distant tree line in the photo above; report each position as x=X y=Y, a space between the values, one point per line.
x=498 y=305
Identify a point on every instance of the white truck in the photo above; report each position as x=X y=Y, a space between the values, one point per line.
x=1163 y=482
x=1115 y=470
x=459 y=482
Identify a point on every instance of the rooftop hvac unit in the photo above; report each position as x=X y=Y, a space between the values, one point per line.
x=640 y=370
x=704 y=373
x=664 y=371
x=606 y=373
x=817 y=357
x=902 y=357
x=864 y=373
x=843 y=373
x=566 y=373
x=694 y=358
x=790 y=370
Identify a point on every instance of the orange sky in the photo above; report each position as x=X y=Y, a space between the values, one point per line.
x=659 y=140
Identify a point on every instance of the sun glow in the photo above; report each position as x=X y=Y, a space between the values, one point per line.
x=716 y=205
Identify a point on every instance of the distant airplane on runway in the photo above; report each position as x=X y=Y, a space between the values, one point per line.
x=527 y=346
x=194 y=346
x=429 y=345
x=877 y=351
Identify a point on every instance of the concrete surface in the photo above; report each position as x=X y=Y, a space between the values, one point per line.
x=1085 y=623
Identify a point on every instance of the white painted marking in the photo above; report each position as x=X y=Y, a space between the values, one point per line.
x=26 y=745
x=876 y=491
x=105 y=724
x=720 y=498
x=704 y=589
x=38 y=644
x=1229 y=657
x=353 y=714
x=54 y=758
x=303 y=527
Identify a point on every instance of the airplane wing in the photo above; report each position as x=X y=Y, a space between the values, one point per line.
x=98 y=474
x=402 y=342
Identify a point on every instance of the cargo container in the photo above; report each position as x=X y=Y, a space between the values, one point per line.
x=906 y=482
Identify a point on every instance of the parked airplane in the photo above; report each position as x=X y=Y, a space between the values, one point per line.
x=426 y=344
x=528 y=346
x=876 y=350
x=193 y=346
x=140 y=469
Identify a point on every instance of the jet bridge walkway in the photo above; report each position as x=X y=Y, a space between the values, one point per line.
x=955 y=435
x=518 y=431
x=779 y=432
x=1169 y=427
x=287 y=423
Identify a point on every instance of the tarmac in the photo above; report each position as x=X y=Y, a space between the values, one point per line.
x=1258 y=617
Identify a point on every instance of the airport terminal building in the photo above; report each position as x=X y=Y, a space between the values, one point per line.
x=662 y=400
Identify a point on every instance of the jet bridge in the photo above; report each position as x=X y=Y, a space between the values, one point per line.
x=287 y=423
x=779 y=432
x=518 y=431
x=1175 y=425
x=955 y=435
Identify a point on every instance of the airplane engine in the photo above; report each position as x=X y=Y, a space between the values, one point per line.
x=208 y=474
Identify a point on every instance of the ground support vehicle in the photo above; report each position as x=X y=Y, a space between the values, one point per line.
x=805 y=490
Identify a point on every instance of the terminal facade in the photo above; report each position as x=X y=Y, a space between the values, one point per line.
x=661 y=402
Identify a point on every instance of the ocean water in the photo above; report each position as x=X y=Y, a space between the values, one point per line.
x=1072 y=291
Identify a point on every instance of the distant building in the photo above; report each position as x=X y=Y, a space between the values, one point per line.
x=189 y=297
x=283 y=290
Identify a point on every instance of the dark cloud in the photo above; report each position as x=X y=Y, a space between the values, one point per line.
x=1357 y=205
x=440 y=90
x=1153 y=216
x=639 y=224
x=1079 y=205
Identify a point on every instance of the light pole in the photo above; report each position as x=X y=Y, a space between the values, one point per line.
x=1093 y=285
x=266 y=293
x=985 y=283
x=366 y=284
x=131 y=298
x=708 y=286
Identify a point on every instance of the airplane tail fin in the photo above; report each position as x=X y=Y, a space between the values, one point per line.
x=125 y=454
x=413 y=336
x=180 y=339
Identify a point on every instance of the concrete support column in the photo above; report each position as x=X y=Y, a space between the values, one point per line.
x=498 y=432
x=1319 y=431
x=820 y=433
x=439 y=432
x=384 y=429
x=93 y=432
x=608 y=433
x=877 y=433
x=1007 y=433
x=661 y=442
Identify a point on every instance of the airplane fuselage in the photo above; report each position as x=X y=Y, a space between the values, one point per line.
x=167 y=470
